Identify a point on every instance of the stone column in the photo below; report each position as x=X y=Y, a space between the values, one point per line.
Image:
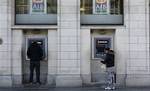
x=5 y=47
x=86 y=55
x=17 y=40
x=68 y=72
x=138 y=64
x=52 y=56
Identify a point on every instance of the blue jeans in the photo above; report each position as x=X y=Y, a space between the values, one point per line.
x=110 y=76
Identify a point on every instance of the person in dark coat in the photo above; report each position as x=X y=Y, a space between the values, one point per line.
x=35 y=54
x=109 y=62
x=109 y=59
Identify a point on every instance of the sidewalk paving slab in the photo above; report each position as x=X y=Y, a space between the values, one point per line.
x=76 y=89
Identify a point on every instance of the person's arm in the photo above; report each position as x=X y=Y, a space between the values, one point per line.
x=105 y=59
x=41 y=53
x=103 y=62
x=29 y=52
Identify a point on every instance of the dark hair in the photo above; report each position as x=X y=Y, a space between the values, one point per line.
x=34 y=43
x=107 y=48
x=111 y=51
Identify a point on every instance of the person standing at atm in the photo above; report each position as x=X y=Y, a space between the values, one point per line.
x=35 y=54
x=109 y=62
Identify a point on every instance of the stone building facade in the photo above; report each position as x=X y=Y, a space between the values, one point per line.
x=70 y=32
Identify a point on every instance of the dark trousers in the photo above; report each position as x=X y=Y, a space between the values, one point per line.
x=35 y=66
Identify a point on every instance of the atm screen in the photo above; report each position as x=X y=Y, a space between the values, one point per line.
x=100 y=45
x=100 y=48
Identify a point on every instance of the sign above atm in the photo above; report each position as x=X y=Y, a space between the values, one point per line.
x=101 y=7
x=38 y=6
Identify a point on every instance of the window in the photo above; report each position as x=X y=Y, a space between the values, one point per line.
x=116 y=6
x=51 y=6
x=101 y=12
x=86 y=7
x=35 y=12
x=23 y=6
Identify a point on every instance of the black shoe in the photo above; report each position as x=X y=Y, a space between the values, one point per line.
x=31 y=83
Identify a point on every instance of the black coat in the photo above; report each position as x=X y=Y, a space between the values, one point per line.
x=109 y=60
x=35 y=53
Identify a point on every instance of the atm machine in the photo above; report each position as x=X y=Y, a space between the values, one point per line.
x=42 y=41
x=100 y=45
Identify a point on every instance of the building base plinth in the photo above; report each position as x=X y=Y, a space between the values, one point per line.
x=68 y=81
x=5 y=81
x=138 y=81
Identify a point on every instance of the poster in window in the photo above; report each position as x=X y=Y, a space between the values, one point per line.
x=101 y=7
x=38 y=6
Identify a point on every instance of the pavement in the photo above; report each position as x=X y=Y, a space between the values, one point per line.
x=75 y=89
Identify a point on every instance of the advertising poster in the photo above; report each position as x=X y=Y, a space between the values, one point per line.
x=101 y=7
x=38 y=6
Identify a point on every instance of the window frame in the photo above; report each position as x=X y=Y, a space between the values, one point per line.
x=53 y=15
x=86 y=20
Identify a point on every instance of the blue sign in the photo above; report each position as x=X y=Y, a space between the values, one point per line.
x=38 y=6
x=101 y=7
